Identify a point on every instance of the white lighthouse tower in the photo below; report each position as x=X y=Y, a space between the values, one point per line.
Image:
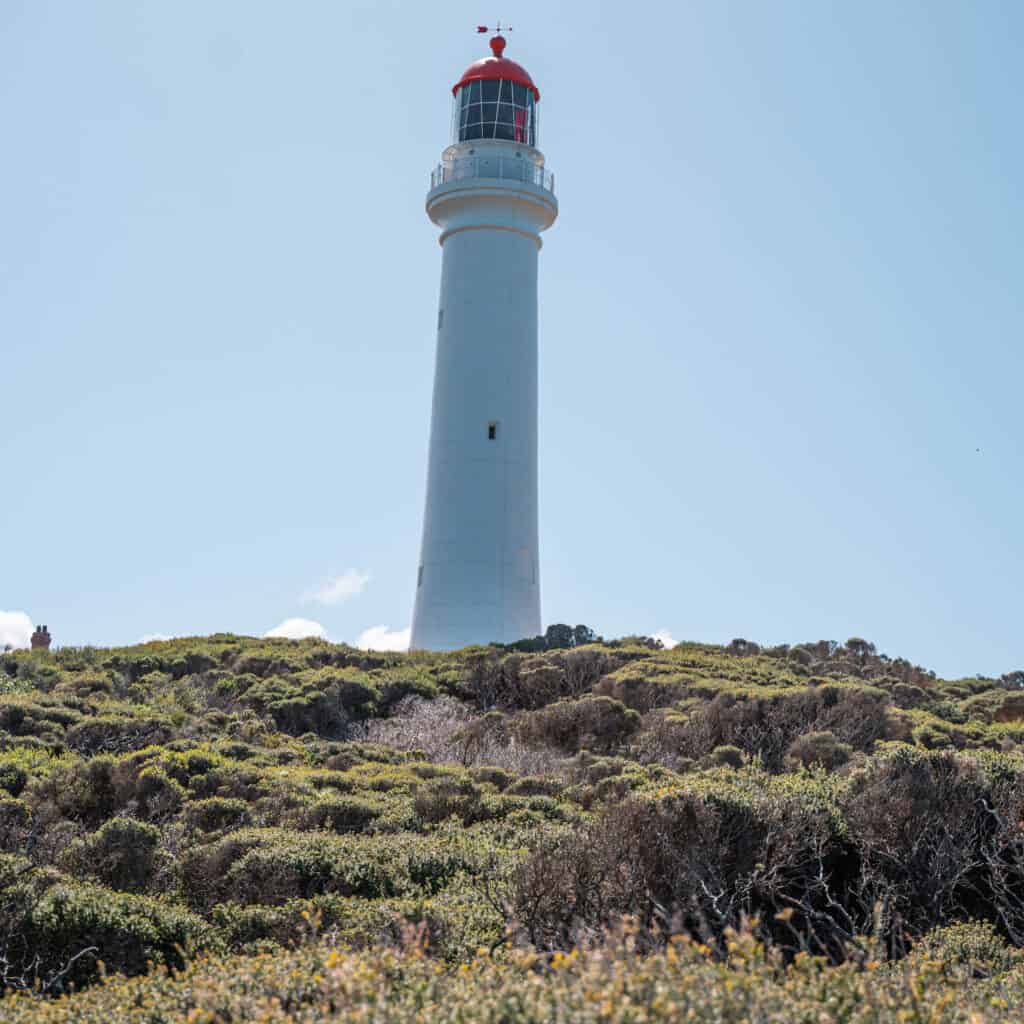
x=478 y=578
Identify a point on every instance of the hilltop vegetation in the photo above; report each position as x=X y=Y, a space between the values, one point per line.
x=571 y=830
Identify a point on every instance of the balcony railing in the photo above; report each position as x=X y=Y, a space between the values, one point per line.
x=507 y=168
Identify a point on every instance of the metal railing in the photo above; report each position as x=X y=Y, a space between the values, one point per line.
x=506 y=168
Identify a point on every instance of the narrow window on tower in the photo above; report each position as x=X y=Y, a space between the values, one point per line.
x=492 y=431
x=419 y=577
x=440 y=319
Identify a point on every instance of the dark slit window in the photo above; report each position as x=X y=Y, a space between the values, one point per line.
x=492 y=431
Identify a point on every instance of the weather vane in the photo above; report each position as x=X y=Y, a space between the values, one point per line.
x=483 y=28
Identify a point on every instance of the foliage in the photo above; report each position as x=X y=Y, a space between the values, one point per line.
x=611 y=983
x=179 y=802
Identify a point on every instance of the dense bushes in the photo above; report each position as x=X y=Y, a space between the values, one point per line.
x=594 y=723
x=818 y=748
x=122 y=854
x=494 y=679
x=338 y=813
x=446 y=798
x=767 y=727
x=611 y=983
x=941 y=837
x=298 y=708
x=923 y=839
x=116 y=733
x=972 y=949
x=127 y=932
x=224 y=793
x=700 y=859
x=216 y=813
x=54 y=932
x=275 y=865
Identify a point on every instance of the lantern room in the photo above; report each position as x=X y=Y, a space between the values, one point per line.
x=495 y=99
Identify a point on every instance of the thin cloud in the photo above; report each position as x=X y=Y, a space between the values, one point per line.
x=297 y=629
x=351 y=583
x=380 y=638
x=15 y=629
x=668 y=641
x=151 y=638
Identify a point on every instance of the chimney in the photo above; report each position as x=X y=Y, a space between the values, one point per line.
x=41 y=639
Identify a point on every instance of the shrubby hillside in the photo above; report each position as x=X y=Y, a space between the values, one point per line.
x=227 y=828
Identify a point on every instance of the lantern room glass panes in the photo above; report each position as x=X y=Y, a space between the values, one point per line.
x=495 y=110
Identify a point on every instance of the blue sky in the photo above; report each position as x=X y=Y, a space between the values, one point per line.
x=781 y=312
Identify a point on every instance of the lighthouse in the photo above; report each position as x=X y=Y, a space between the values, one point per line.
x=478 y=579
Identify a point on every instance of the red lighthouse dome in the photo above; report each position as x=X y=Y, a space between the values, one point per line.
x=490 y=69
x=495 y=99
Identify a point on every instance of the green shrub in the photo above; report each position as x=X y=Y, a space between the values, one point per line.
x=298 y=707
x=275 y=865
x=594 y=723
x=216 y=814
x=126 y=932
x=933 y=736
x=533 y=785
x=157 y=793
x=85 y=684
x=971 y=949
x=35 y=715
x=336 y=812
x=13 y=778
x=81 y=790
x=906 y=695
x=724 y=757
x=15 y=821
x=497 y=777
x=968 y=949
x=116 y=734
x=400 y=682
x=939 y=835
x=448 y=797
x=701 y=857
x=122 y=854
x=818 y=748
x=765 y=727
x=355 y=691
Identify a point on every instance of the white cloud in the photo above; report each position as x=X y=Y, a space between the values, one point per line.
x=351 y=583
x=297 y=629
x=15 y=629
x=380 y=638
x=667 y=640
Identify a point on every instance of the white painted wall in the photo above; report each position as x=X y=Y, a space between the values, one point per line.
x=478 y=579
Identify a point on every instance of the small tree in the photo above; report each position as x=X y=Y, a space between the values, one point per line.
x=859 y=647
x=1012 y=680
x=743 y=648
x=582 y=635
x=558 y=636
